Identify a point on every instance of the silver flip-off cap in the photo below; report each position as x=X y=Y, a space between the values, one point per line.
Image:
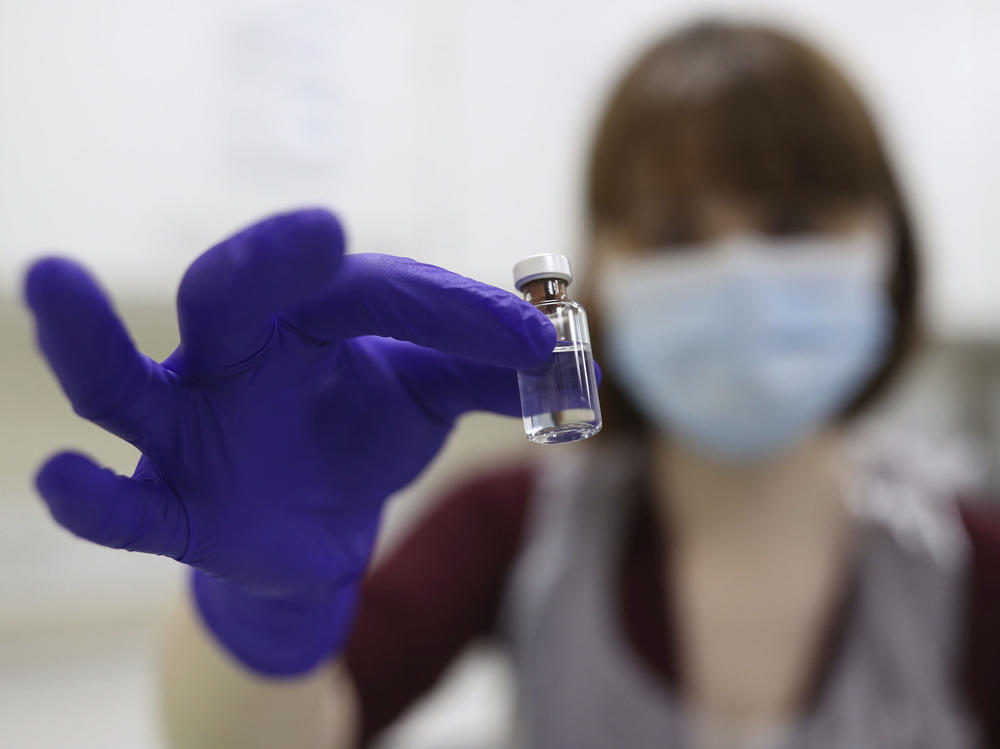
x=547 y=265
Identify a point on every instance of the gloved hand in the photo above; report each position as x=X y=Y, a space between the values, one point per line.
x=273 y=434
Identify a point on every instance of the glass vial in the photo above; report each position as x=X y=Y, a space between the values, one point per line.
x=558 y=397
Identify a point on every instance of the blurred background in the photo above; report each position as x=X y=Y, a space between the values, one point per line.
x=133 y=135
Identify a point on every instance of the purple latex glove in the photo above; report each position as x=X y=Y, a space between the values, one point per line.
x=273 y=434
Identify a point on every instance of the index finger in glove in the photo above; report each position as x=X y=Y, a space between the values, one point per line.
x=229 y=296
x=397 y=297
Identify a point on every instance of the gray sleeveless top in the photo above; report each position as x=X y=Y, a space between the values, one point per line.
x=581 y=686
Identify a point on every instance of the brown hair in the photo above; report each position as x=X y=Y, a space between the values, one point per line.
x=750 y=113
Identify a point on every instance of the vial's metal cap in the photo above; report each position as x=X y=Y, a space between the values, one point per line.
x=548 y=265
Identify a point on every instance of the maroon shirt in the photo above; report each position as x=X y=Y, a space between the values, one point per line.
x=443 y=586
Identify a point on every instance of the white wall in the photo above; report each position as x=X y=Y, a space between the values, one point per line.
x=134 y=134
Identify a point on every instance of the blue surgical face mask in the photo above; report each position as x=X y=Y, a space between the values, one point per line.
x=745 y=345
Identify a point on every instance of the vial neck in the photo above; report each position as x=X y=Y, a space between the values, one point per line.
x=544 y=290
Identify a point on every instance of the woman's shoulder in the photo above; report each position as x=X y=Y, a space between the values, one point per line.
x=508 y=481
x=455 y=557
x=494 y=500
x=515 y=488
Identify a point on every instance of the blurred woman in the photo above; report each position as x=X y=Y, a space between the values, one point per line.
x=716 y=572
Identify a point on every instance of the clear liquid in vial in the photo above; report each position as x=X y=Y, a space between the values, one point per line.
x=559 y=397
